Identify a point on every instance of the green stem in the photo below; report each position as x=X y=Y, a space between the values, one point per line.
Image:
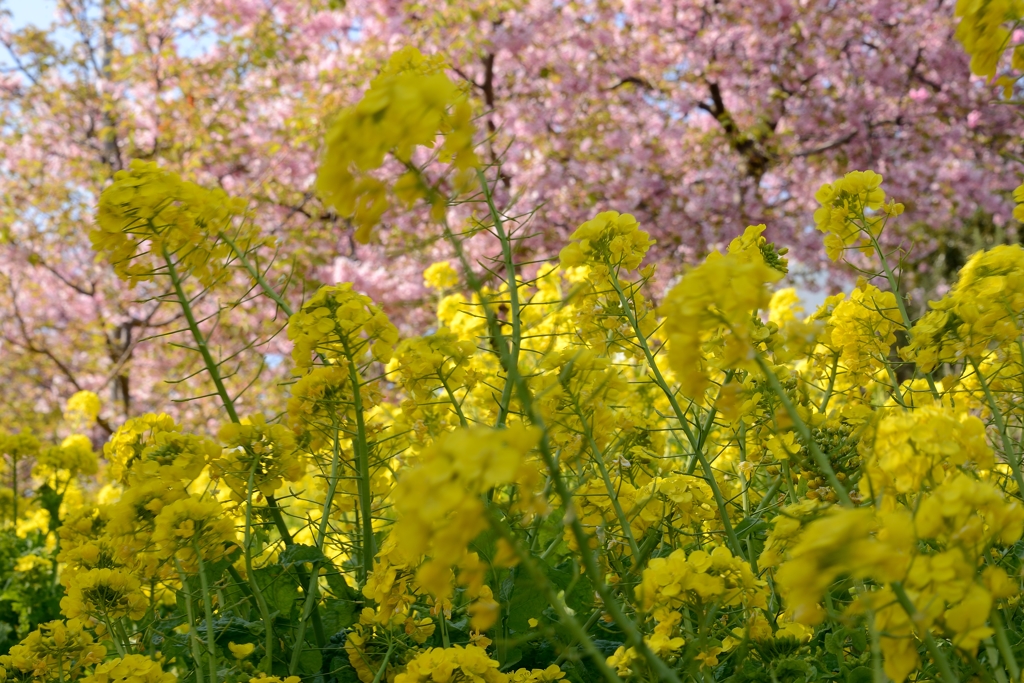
x=997 y=417
x=937 y=656
x=513 y=291
x=831 y=385
x=256 y=276
x=190 y=614
x=1004 y=645
x=211 y=639
x=894 y=286
x=805 y=433
x=114 y=637
x=695 y=441
x=313 y=587
x=384 y=664
x=266 y=664
x=451 y=397
x=363 y=477
x=212 y=367
x=613 y=495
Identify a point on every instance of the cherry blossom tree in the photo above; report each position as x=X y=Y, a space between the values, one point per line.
x=699 y=117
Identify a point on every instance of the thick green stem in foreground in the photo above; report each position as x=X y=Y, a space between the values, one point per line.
x=362 y=449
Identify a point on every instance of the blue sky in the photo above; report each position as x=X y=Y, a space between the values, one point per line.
x=38 y=12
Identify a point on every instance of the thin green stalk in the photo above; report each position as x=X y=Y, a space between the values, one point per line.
x=267 y=662
x=695 y=441
x=937 y=656
x=997 y=417
x=211 y=367
x=613 y=495
x=705 y=429
x=1004 y=645
x=114 y=637
x=256 y=276
x=831 y=385
x=363 y=474
x=119 y=624
x=805 y=433
x=211 y=639
x=513 y=291
x=894 y=286
x=788 y=474
x=313 y=589
x=451 y=397
x=190 y=614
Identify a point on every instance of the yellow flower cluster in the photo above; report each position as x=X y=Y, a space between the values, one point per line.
x=847 y=209
x=55 y=651
x=908 y=450
x=130 y=669
x=438 y=500
x=708 y=314
x=73 y=457
x=984 y=311
x=455 y=663
x=428 y=365
x=82 y=409
x=339 y=324
x=407 y=107
x=984 y=33
x=149 y=217
x=258 y=457
x=606 y=244
x=193 y=529
x=862 y=328
x=104 y=594
x=440 y=276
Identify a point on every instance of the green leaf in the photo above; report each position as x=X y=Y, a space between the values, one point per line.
x=279 y=590
x=310 y=661
x=510 y=657
x=834 y=643
x=342 y=670
x=339 y=586
x=861 y=674
x=859 y=639
x=750 y=525
x=337 y=614
x=526 y=602
x=300 y=554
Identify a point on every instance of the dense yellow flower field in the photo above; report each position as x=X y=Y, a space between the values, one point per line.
x=565 y=481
